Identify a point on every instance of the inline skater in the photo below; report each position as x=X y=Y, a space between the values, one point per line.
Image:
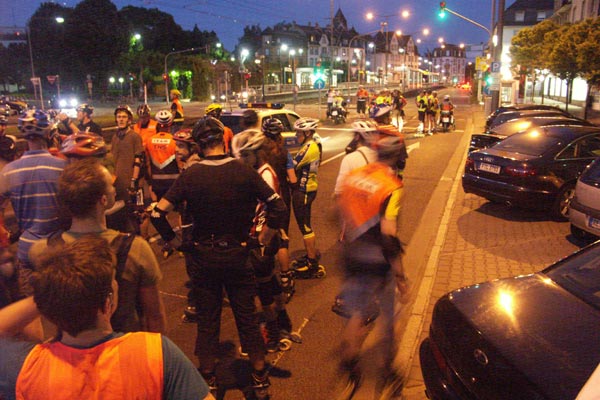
x=221 y=194
x=421 y=102
x=362 y=96
x=383 y=118
x=283 y=164
x=306 y=163
x=214 y=110
x=251 y=147
x=371 y=252
x=145 y=125
x=176 y=110
x=84 y=121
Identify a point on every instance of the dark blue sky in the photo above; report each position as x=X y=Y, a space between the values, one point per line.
x=228 y=17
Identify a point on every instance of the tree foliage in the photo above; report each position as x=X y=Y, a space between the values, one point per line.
x=528 y=47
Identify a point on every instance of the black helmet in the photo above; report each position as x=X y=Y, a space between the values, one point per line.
x=272 y=127
x=143 y=110
x=249 y=118
x=8 y=148
x=86 y=108
x=208 y=129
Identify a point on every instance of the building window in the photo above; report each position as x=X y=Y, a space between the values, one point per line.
x=541 y=15
x=520 y=16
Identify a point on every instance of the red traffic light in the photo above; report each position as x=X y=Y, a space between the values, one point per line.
x=442 y=4
x=165 y=77
x=247 y=76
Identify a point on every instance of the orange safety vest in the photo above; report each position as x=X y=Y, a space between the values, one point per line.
x=364 y=191
x=146 y=132
x=227 y=138
x=127 y=367
x=161 y=149
x=178 y=114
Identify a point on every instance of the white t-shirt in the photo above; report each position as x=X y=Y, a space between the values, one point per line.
x=354 y=160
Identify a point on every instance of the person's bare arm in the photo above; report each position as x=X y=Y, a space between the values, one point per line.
x=21 y=317
x=153 y=309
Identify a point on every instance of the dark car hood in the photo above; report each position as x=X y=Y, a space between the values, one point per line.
x=524 y=327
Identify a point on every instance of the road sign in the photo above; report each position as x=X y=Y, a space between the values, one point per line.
x=51 y=79
x=481 y=63
x=319 y=84
x=495 y=67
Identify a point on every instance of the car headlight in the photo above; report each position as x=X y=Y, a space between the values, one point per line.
x=62 y=103
x=73 y=102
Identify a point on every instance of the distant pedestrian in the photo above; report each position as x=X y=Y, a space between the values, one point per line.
x=176 y=110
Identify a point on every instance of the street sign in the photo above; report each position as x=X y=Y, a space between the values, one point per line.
x=481 y=63
x=319 y=84
x=51 y=79
x=495 y=67
x=35 y=80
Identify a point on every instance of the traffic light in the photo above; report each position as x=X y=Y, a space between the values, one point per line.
x=442 y=13
x=165 y=77
x=487 y=77
x=247 y=75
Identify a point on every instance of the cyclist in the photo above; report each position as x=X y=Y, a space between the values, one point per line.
x=306 y=163
x=31 y=184
x=214 y=110
x=84 y=121
x=145 y=125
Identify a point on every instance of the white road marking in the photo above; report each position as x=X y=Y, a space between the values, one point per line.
x=409 y=148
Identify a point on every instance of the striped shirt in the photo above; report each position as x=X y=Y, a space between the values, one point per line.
x=31 y=183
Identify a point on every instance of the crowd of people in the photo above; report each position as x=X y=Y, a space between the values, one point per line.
x=83 y=263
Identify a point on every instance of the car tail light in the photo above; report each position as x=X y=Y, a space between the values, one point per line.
x=438 y=356
x=469 y=164
x=521 y=171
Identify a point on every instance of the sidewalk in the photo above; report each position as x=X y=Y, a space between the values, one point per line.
x=469 y=247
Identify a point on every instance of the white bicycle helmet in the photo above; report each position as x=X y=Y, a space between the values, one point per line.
x=247 y=141
x=164 y=117
x=306 y=124
x=367 y=129
x=379 y=110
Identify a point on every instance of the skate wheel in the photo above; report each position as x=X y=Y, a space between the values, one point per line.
x=321 y=273
x=285 y=344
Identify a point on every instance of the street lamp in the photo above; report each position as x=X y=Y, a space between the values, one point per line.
x=166 y=75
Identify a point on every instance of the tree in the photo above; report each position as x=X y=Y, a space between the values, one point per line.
x=588 y=54
x=562 y=60
x=529 y=49
x=97 y=36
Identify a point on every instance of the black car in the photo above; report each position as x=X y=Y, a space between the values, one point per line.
x=16 y=107
x=511 y=115
x=534 y=169
x=509 y=128
x=530 y=337
x=517 y=107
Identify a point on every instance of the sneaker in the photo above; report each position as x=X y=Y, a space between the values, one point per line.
x=167 y=250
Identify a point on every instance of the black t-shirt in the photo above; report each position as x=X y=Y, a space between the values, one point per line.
x=90 y=127
x=221 y=195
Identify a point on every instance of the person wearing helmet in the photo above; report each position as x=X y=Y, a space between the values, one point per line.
x=82 y=145
x=214 y=110
x=84 y=122
x=306 y=164
x=127 y=152
x=430 y=113
x=221 y=194
x=398 y=104
x=447 y=104
x=383 y=118
x=252 y=146
x=372 y=258
x=421 y=101
x=362 y=96
x=145 y=125
x=31 y=184
x=282 y=162
x=176 y=110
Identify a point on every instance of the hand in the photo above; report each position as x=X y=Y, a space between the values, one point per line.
x=404 y=287
x=133 y=187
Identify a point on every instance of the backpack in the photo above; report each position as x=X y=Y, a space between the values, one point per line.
x=121 y=245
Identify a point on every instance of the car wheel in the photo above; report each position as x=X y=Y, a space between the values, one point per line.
x=578 y=233
x=561 y=204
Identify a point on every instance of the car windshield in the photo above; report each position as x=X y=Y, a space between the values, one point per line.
x=580 y=275
x=533 y=142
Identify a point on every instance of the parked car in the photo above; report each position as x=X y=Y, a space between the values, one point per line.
x=512 y=115
x=517 y=107
x=531 y=337
x=16 y=107
x=534 y=169
x=509 y=128
x=584 y=209
x=232 y=119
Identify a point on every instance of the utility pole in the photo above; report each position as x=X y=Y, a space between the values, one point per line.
x=331 y=45
x=498 y=54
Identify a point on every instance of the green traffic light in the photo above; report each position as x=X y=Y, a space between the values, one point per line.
x=442 y=14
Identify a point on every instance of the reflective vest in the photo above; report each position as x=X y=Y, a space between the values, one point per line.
x=447 y=106
x=364 y=191
x=161 y=150
x=422 y=103
x=127 y=367
x=146 y=132
x=177 y=110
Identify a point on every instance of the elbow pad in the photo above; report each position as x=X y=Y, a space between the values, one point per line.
x=392 y=247
x=158 y=218
x=139 y=159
